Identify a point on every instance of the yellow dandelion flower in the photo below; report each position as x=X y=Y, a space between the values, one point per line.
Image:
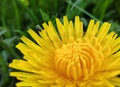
x=69 y=57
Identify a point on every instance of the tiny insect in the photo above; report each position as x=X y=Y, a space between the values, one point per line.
x=38 y=28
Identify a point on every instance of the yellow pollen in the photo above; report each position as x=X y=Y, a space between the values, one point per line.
x=76 y=60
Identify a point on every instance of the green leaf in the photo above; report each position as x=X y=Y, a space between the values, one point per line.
x=6 y=31
x=4 y=65
x=101 y=8
x=10 y=40
x=25 y=2
x=82 y=10
x=44 y=15
x=9 y=49
x=117 y=4
x=2 y=32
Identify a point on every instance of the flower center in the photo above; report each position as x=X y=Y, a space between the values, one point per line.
x=77 y=60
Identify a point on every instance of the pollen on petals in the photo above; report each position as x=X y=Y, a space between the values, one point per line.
x=67 y=56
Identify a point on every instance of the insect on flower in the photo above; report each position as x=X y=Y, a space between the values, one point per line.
x=68 y=56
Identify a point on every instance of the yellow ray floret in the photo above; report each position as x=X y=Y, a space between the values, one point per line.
x=67 y=56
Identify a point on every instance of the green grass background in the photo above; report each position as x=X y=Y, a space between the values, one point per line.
x=17 y=16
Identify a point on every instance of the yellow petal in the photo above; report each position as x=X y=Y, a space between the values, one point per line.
x=78 y=27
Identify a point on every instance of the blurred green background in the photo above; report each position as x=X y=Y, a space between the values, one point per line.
x=17 y=16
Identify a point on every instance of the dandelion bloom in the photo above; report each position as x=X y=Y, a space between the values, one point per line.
x=67 y=56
